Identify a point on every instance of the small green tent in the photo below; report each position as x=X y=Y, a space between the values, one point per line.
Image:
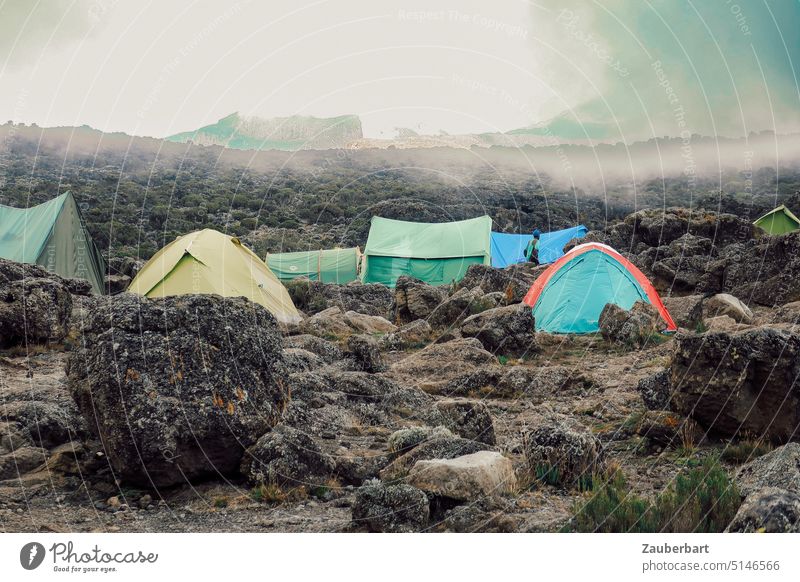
x=329 y=266
x=437 y=253
x=52 y=235
x=778 y=221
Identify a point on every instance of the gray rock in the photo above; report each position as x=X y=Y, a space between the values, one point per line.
x=633 y=328
x=20 y=461
x=432 y=448
x=686 y=311
x=465 y=478
x=769 y=510
x=328 y=351
x=299 y=360
x=738 y=383
x=191 y=386
x=460 y=305
x=468 y=419
x=365 y=354
x=47 y=423
x=287 y=457
x=415 y=299
x=403 y=440
x=656 y=390
x=505 y=330
x=726 y=304
x=33 y=310
x=564 y=450
x=390 y=508
x=779 y=468
x=414 y=334
x=513 y=282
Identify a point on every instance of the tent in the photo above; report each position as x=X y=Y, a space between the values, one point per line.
x=509 y=249
x=52 y=235
x=438 y=253
x=569 y=296
x=207 y=261
x=329 y=266
x=778 y=221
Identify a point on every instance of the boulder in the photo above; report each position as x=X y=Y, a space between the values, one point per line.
x=329 y=323
x=328 y=351
x=509 y=330
x=46 y=423
x=440 y=447
x=633 y=328
x=726 y=304
x=565 y=451
x=414 y=299
x=656 y=390
x=365 y=354
x=686 y=311
x=116 y=283
x=403 y=440
x=738 y=383
x=414 y=334
x=437 y=364
x=34 y=310
x=468 y=419
x=313 y=296
x=460 y=305
x=667 y=429
x=398 y=508
x=465 y=478
x=299 y=360
x=373 y=324
x=287 y=457
x=768 y=510
x=192 y=386
x=779 y=468
x=513 y=282
x=20 y=461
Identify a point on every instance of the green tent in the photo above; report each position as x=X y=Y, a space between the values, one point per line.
x=435 y=253
x=52 y=235
x=329 y=266
x=778 y=221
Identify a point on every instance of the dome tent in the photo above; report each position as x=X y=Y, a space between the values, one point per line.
x=207 y=261
x=52 y=234
x=778 y=221
x=569 y=296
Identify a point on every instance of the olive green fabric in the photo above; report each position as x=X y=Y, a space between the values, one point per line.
x=778 y=221
x=329 y=266
x=207 y=261
x=437 y=253
x=52 y=235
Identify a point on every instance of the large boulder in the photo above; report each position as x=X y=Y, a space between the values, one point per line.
x=465 y=478
x=327 y=351
x=509 y=330
x=364 y=354
x=46 y=423
x=779 y=468
x=313 y=296
x=656 y=390
x=686 y=311
x=373 y=324
x=414 y=334
x=177 y=388
x=437 y=364
x=415 y=299
x=563 y=452
x=32 y=309
x=438 y=447
x=633 y=328
x=397 y=508
x=739 y=383
x=460 y=305
x=513 y=282
x=769 y=510
x=328 y=324
x=286 y=456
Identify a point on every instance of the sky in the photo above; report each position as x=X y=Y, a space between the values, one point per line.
x=606 y=69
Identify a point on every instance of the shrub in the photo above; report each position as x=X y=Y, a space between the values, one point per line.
x=745 y=451
x=703 y=499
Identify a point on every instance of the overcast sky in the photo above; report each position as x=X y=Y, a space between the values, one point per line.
x=460 y=66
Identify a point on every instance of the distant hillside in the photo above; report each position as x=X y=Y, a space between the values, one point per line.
x=278 y=133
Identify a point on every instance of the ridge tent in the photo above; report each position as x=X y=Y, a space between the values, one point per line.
x=778 y=221
x=207 y=261
x=570 y=294
x=52 y=235
x=437 y=253
x=509 y=249
x=328 y=266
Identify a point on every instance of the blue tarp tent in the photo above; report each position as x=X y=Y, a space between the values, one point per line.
x=509 y=249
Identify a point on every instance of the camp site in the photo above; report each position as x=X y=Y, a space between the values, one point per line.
x=329 y=268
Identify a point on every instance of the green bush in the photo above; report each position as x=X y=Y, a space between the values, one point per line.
x=703 y=499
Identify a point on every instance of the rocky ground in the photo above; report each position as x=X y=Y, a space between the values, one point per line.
x=417 y=409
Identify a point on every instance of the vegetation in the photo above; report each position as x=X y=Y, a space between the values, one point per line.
x=745 y=451
x=701 y=499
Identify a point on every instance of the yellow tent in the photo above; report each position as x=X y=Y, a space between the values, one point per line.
x=207 y=261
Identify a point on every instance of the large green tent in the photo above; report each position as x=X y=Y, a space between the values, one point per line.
x=52 y=235
x=437 y=253
x=778 y=221
x=329 y=266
